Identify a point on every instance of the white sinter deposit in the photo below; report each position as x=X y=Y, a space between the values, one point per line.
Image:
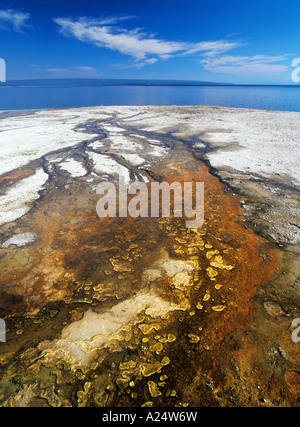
x=18 y=198
x=253 y=142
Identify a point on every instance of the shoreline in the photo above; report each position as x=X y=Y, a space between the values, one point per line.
x=24 y=110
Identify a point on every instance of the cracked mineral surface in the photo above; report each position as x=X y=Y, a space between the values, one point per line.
x=144 y=311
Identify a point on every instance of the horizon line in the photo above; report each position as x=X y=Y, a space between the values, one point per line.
x=140 y=80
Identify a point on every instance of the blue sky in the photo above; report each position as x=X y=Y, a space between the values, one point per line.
x=235 y=41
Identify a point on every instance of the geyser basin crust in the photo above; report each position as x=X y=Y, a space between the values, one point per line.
x=124 y=311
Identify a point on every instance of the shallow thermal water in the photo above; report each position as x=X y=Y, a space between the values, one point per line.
x=104 y=311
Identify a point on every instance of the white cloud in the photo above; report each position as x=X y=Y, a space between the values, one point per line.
x=213 y=48
x=135 y=43
x=13 y=19
x=147 y=49
x=59 y=70
x=88 y=71
x=244 y=65
x=80 y=71
x=151 y=60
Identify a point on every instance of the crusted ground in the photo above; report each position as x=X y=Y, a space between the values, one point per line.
x=103 y=312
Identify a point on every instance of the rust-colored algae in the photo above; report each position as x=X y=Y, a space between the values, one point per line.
x=81 y=262
x=14 y=176
x=253 y=258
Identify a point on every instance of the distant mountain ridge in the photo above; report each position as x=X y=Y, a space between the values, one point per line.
x=108 y=82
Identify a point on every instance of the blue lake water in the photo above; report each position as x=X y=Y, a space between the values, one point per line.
x=286 y=98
